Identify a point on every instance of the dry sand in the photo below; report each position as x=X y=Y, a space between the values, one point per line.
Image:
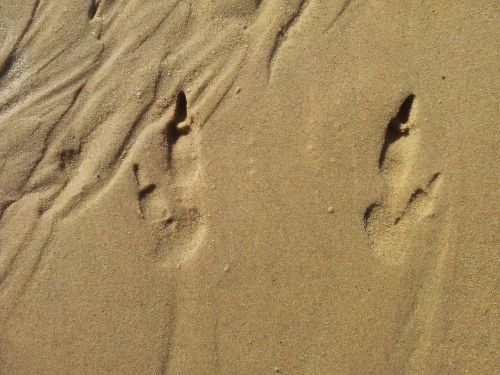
x=249 y=187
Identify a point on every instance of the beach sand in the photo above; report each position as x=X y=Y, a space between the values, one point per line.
x=249 y=187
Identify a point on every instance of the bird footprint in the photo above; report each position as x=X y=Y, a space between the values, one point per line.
x=390 y=221
x=165 y=169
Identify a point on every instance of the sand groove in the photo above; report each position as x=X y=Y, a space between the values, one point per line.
x=345 y=5
x=10 y=58
x=71 y=171
x=180 y=187
x=280 y=37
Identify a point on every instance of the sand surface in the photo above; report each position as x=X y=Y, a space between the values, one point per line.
x=242 y=187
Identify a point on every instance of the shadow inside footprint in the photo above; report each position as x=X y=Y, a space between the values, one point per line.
x=397 y=127
x=165 y=174
x=390 y=221
x=173 y=132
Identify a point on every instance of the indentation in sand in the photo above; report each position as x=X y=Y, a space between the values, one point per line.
x=390 y=221
x=166 y=174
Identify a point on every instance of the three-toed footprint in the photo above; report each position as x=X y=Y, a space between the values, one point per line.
x=390 y=221
x=165 y=169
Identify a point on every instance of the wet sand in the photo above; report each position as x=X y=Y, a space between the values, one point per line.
x=249 y=187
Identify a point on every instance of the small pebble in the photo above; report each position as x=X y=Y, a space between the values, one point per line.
x=330 y=209
x=226 y=268
x=185 y=125
x=238 y=89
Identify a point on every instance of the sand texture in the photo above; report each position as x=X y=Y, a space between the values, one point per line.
x=240 y=187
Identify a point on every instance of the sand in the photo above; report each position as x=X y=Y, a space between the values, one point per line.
x=249 y=187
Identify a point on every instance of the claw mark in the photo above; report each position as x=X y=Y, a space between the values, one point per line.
x=142 y=192
x=398 y=127
x=417 y=196
x=93 y=8
x=433 y=179
x=173 y=132
x=368 y=214
x=135 y=169
x=148 y=189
